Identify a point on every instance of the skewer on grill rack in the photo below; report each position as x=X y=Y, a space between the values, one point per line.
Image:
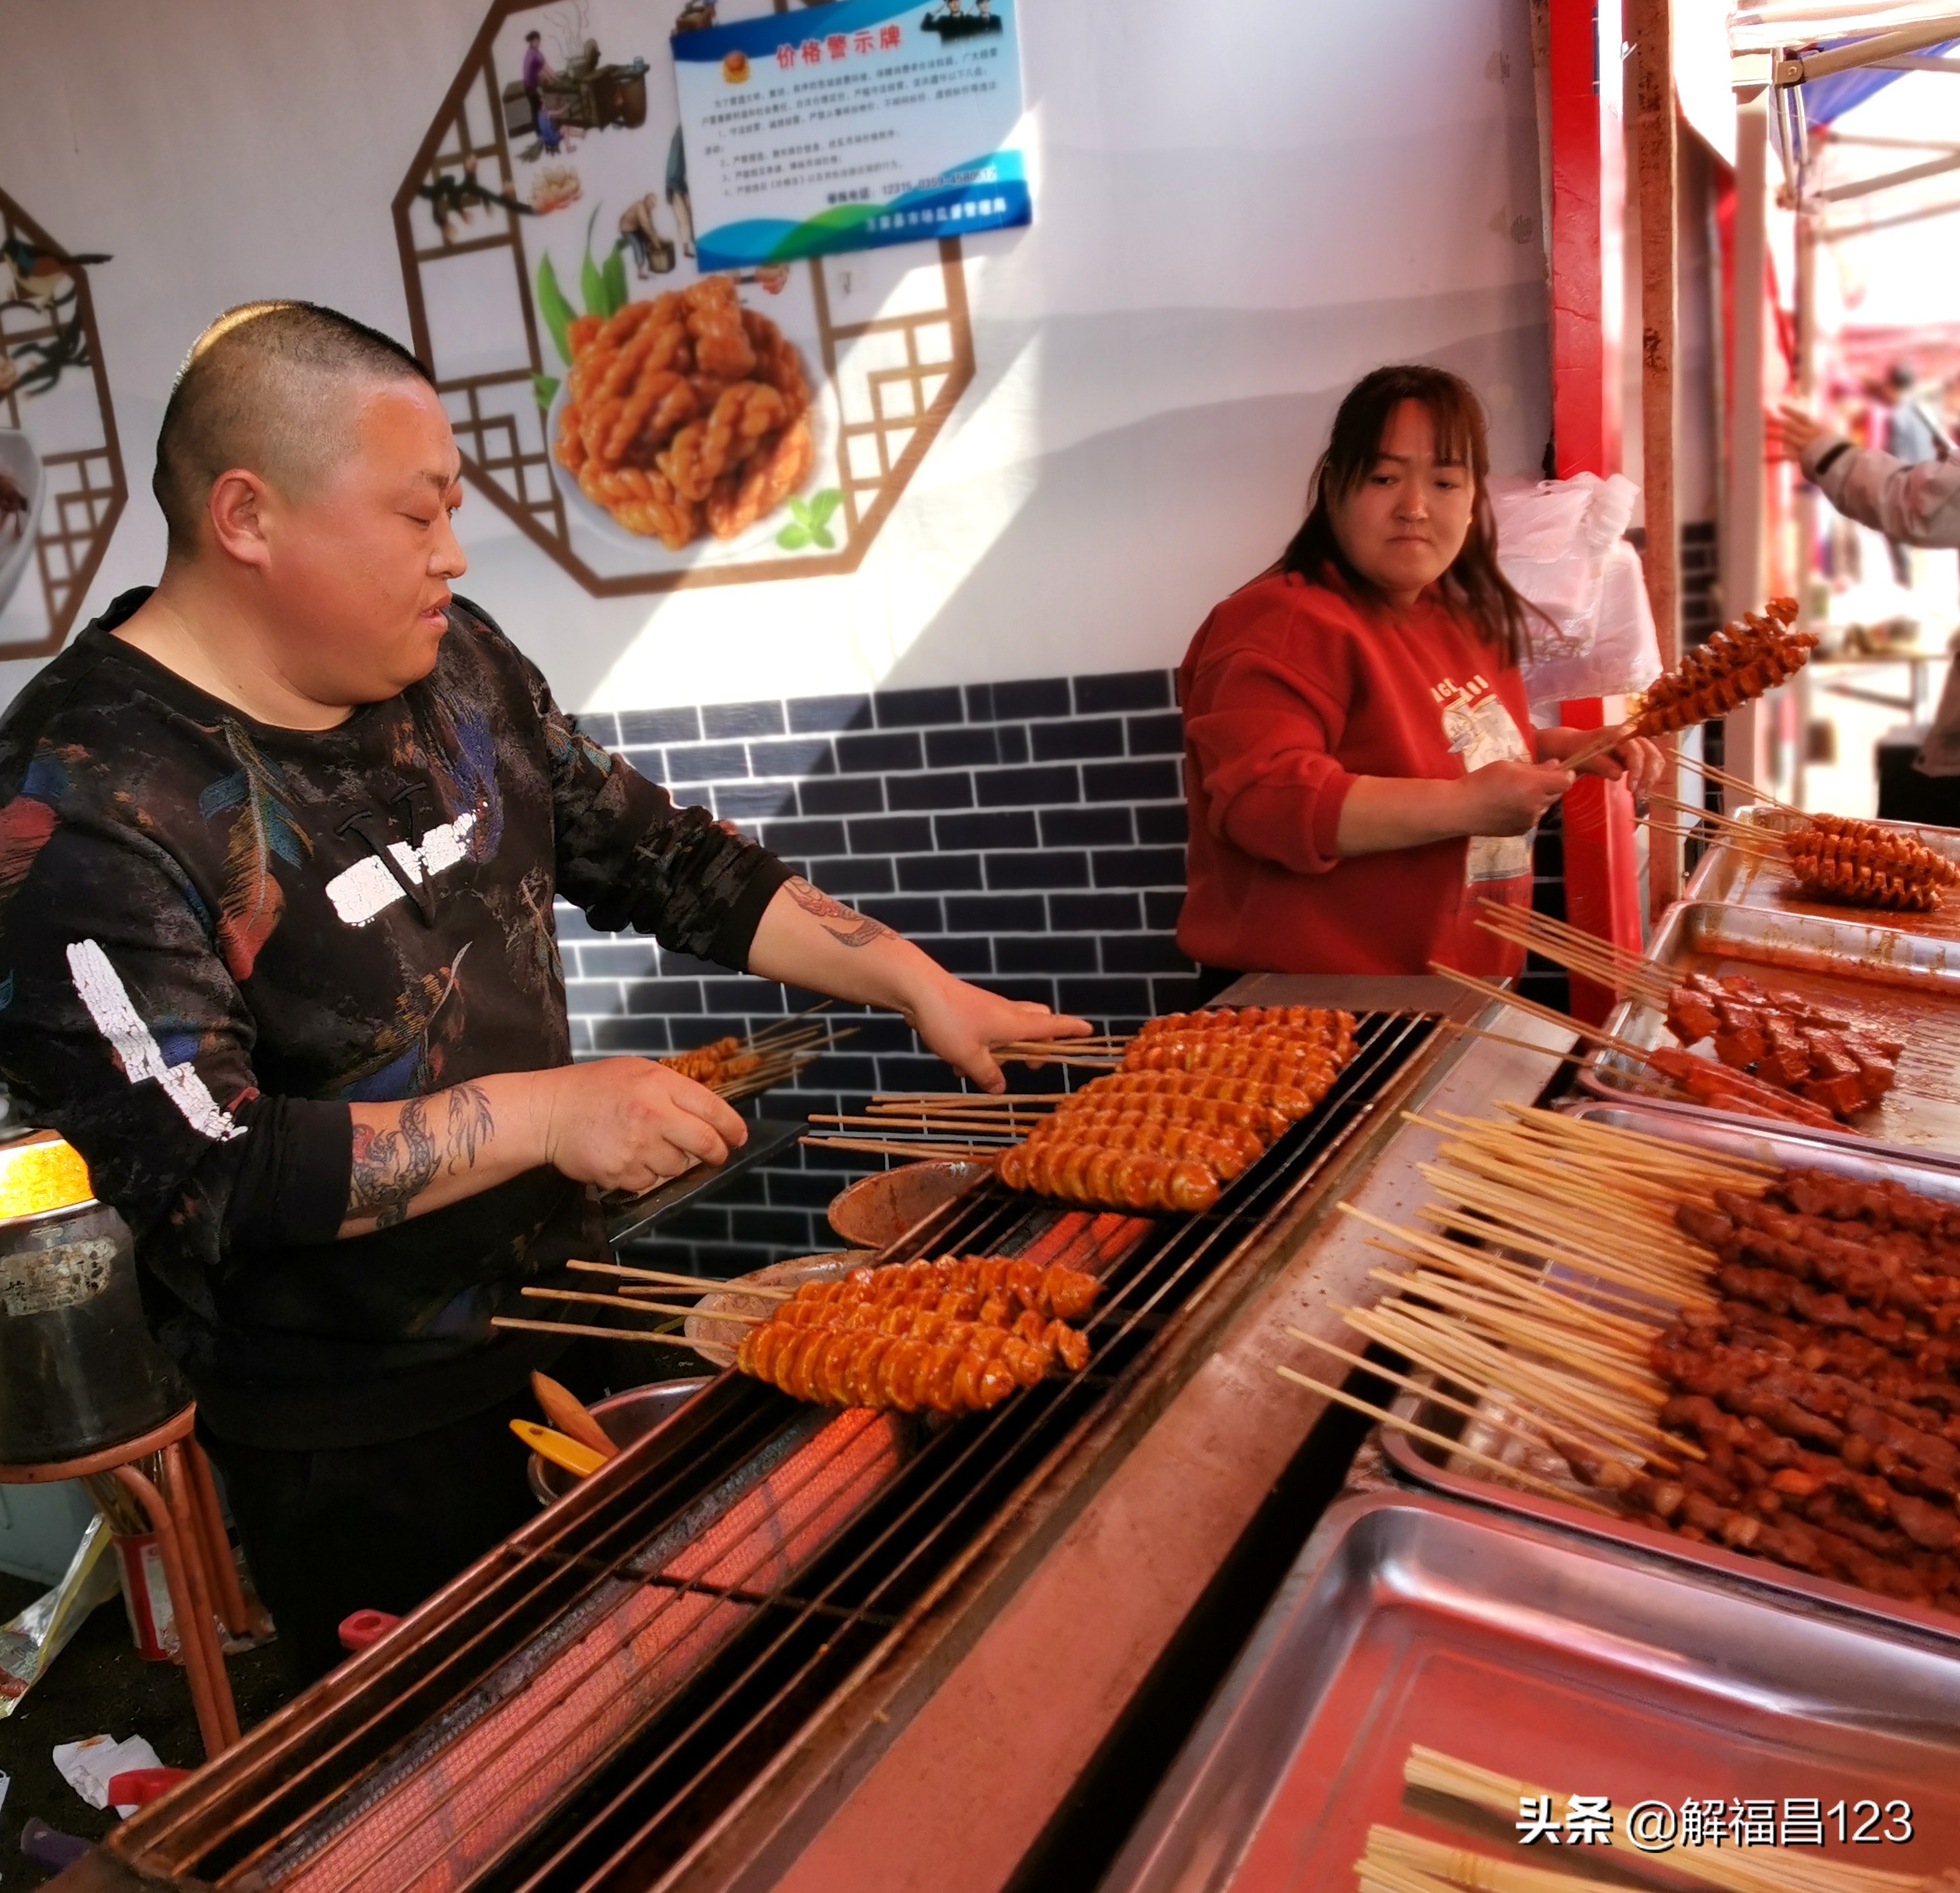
x=1765 y=1361
x=955 y=1335
x=1747 y=657
x=1184 y=1106
x=736 y=1067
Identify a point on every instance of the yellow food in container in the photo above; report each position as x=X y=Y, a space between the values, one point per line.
x=41 y=1174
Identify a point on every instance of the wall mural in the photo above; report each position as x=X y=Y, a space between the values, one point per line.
x=62 y=488
x=648 y=426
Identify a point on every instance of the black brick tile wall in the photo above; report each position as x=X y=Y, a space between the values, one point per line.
x=1702 y=613
x=1028 y=834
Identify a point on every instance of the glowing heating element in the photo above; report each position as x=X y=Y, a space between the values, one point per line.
x=486 y=1779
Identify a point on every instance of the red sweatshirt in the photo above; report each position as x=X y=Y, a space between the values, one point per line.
x=1290 y=690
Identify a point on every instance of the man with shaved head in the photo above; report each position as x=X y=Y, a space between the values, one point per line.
x=279 y=844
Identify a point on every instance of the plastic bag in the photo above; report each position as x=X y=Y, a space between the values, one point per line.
x=35 y=1638
x=1561 y=543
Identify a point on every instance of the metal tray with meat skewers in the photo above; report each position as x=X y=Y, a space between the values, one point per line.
x=1736 y=876
x=1466 y=1443
x=1900 y=988
x=1425 y=1663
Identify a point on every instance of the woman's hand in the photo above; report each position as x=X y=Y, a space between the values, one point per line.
x=1509 y=798
x=1639 y=761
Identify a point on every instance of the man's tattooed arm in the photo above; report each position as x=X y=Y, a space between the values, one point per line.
x=393 y=1167
x=844 y=924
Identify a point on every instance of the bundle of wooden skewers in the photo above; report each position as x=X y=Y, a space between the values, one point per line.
x=1399 y=1862
x=1185 y=1106
x=1746 y=659
x=1748 y=1356
x=1839 y=859
x=738 y=1067
x=957 y=1334
x=1780 y=1055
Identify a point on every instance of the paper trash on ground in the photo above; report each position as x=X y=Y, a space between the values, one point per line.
x=90 y=1765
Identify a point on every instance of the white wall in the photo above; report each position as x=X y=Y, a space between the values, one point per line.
x=1237 y=211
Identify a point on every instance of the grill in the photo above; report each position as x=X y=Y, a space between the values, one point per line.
x=597 y=1703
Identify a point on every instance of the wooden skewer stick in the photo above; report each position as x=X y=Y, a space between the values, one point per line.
x=1551 y=1014
x=1515 y=1474
x=1753 y=791
x=638 y=1307
x=1626 y=1429
x=1602 y=741
x=1447 y=1347
x=1577 y=1129
x=702 y=1284
x=916 y=1150
x=1530 y=1427
x=710 y=1349
x=941 y=1122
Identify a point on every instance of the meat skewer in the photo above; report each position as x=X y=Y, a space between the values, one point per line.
x=1747 y=657
x=1808 y=1366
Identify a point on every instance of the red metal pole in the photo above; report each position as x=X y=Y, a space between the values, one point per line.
x=1588 y=198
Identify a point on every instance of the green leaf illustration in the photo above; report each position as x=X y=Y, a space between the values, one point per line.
x=552 y=306
x=822 y=504
x=820 y=535
x=793 y=539
x=545 y=388
x=592 y=286
x=615 y=276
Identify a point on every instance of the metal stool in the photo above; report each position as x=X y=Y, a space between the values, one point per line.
x=198 y=1565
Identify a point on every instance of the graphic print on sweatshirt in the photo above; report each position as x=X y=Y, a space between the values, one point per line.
x=1478 y=728
x=371 y=886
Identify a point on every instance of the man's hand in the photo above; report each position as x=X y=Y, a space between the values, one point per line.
x=1509 y=798
x=628 y=1123
x=964 y=1023
x=1792 y=426
x=806 y=938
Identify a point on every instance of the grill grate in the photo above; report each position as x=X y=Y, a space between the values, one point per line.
x=586 y=1719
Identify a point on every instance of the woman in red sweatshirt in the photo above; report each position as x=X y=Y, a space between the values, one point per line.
x=1359 y=757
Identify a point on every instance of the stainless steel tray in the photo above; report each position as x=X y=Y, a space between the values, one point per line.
x=1443 y=1471
x=1897 y=983
x=1569 y=1663
x=1725 y=874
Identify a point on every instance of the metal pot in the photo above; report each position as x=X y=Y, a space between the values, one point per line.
x=627 y=1418
x=78 y=1370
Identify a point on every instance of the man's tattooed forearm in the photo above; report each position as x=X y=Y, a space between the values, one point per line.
x=853 y=929
x=471 y=1125
x=391 y=1167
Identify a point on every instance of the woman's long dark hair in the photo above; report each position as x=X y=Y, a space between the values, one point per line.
x=1473 y=582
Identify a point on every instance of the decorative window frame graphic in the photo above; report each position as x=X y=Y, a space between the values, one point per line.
x=86 y=488
x=889 y=413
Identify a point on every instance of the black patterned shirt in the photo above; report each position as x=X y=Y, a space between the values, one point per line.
x=214 y=934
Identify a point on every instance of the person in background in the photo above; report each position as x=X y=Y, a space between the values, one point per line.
x=1912 y=504
x=1912 y=438
x=535 y=72
x=1359 y=758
